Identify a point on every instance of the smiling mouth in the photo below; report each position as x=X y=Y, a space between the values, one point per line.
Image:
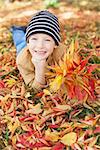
x=40 y=52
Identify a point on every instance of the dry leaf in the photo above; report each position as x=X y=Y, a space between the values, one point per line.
x=69 y=139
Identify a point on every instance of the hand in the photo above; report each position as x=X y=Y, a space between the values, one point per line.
x=39 y=63
x=40 y=66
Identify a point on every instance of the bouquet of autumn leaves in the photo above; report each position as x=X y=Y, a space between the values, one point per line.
x=63 y=116
x=74 y=75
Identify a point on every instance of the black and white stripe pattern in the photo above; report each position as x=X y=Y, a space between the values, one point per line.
x=44 y=22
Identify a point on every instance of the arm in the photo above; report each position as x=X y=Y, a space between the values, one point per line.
x=40 y=66
x=27 y=70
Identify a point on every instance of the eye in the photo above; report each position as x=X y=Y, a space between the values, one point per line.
x=48 y=40
x=34 y=39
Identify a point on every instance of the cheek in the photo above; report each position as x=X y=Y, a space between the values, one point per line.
x=51 y=49
x=30 y=47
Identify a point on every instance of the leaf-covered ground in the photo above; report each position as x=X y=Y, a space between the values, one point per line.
x=45 y=120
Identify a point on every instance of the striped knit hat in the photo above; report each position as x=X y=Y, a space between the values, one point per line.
x=44 y=22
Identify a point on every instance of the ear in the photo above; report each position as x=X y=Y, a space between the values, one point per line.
x=55 y=47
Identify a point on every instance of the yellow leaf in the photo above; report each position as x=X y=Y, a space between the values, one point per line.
x=43 y=148
x=13 y=126
x=63 y=66
x=76 y=58
x=47 y=111
x=10 y=82
x=7 y=118
x=70 y=52
x=57 y=69
x=93 y=141
x=66 y=125
x=56 y=84
x=63 y=107
x=24 y=127
x=69 y=138
x=46 y=92
x=14 y=138
x=22 y=90
x=27 y=95
x=76 y=44
x=51 y=136
x=11 y=108
x=89 y=148
x=4 y=100
x=35 y=109
x=30 y=106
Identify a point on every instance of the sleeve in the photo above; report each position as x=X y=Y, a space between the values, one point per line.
x=26 y=69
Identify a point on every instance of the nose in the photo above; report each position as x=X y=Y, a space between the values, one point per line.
x=40 y=44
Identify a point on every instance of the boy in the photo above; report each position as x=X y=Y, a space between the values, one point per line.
x=43 y=37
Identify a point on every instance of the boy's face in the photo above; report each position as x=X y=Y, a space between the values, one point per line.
x=41 y=45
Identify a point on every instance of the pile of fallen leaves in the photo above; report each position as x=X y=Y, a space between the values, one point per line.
x=65 y=115
x=53 y=119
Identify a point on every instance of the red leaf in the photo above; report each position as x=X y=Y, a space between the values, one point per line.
x=92 y=87
x=71 y=91
x=83 y=63
x=54 y=126
x=28 y=118
x=23 y=118
x=78 y=93
x=97 y=130
x=39 y=144
x=72 y=113
x=2 y=84
x=92 y=84
x=39 y=94
x=91 y=68
x=58 y=146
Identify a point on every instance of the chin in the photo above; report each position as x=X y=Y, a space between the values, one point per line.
x=43 y=57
